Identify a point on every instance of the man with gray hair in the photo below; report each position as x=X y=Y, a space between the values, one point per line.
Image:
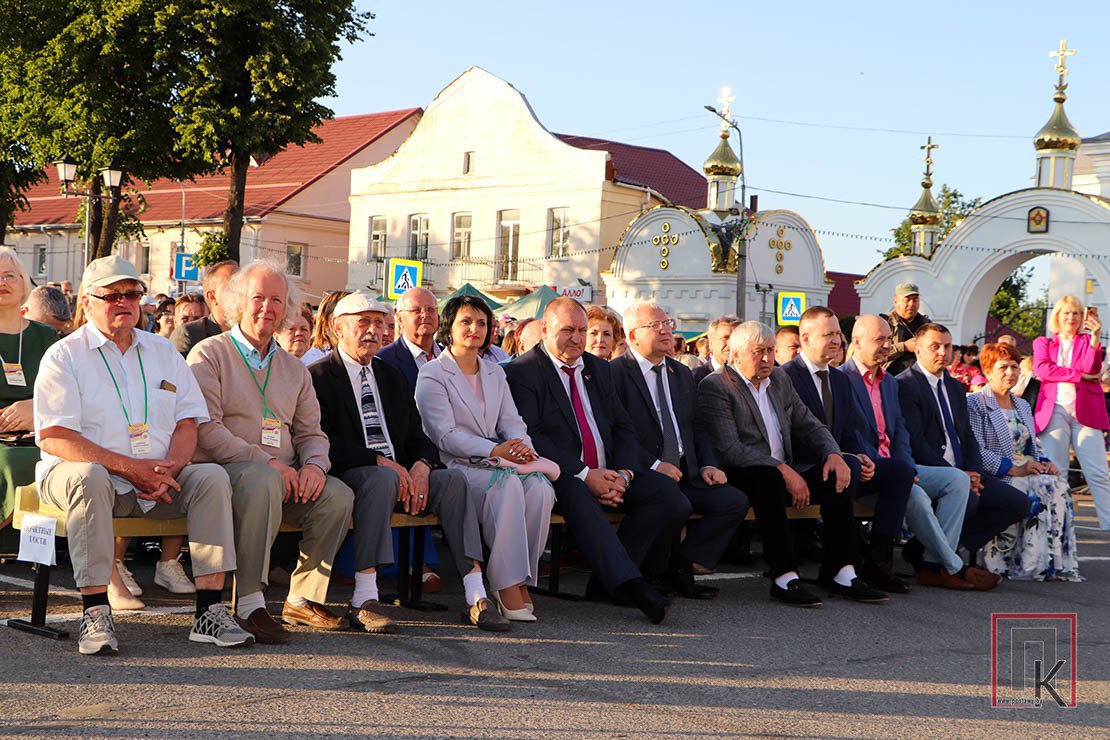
x=720 y=329
x=751 y=412
x=48 y=306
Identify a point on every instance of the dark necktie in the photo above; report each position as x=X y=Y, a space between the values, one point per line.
x=589 y=447
x=957 y=449
x=371 y=420
x=670 y=438
x=826 y=397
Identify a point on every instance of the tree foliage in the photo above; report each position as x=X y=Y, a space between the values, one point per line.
x=17 y=174
x=212 y=249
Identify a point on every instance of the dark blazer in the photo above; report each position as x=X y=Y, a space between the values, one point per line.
x=636 y=399
x=397 y=356
x=892 y=415
x=341 y=418
x=702 y=371
x=924 y=422
x=186 y=336
x=732 y=420
x=846 y=421
x=544 y=405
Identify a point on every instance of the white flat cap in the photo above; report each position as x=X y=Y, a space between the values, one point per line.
x=360 y=302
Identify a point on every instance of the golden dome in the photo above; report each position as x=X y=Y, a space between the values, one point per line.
x=1058 y=133
x=723 y=161
x=925 y=211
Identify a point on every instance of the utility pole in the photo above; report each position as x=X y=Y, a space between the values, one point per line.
x=741 y=239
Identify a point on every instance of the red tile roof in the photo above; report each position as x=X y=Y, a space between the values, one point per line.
x=657 y=169
x=269 y=185
x=843 y=298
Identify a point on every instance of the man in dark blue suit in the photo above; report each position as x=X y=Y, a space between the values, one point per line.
x=659 y=394
x=568 y=401
x=720 y=329
x=828 y=394
x=417 y=324
x=935 y=408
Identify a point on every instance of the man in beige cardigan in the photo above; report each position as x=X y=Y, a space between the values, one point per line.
x=265 y=431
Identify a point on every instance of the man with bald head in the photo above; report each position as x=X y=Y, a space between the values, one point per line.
x=417 y=323
x=575 y=418
x=529 y=334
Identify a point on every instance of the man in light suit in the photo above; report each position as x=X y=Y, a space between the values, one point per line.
x=659 y=394
x=566 y=398
x=380 y=450
x=827 y=393
x=752 y=411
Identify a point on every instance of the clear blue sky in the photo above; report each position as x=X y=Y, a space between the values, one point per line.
x=641 y=72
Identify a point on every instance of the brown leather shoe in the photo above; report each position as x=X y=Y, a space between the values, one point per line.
x=982 y=580
x=313 y=615
x=265 y=630
x=939 y=577
x=368 y=620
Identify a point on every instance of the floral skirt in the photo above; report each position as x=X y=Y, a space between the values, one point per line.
x=1042 y=546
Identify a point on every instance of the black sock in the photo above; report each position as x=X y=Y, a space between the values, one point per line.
x=90 y=600
x=206 y=597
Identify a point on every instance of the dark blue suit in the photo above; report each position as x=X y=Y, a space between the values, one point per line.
x=398 y=355
x=893 y=478
x=655 y=509
x=998 y=504
x=722 y=507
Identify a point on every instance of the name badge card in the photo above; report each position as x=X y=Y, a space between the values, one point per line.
x=36 y=539
x=271 y=432
x=140 y=439
x=13 y=373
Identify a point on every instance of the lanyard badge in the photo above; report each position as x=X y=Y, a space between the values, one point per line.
x=138 y=433
x=271 y=432
x=13 y=373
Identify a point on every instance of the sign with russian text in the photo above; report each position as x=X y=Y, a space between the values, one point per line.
x=36 y=539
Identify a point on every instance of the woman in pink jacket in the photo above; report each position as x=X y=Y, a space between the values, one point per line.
x=1071 y=408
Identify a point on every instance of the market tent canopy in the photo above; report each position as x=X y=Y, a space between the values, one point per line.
x=532 y=305
x=468 y=289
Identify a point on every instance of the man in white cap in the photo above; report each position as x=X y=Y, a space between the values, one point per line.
x=116 y=416
x=379 y=449
x=905 y=318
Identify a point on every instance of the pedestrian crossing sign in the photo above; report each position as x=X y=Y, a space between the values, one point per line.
x=791 y=308
x=403 y=275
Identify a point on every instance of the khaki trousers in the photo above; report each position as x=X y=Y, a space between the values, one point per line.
x=258 y=512
x=85 y=492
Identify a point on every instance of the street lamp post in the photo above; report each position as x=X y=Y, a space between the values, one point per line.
x=742 y=238
x=112 y=177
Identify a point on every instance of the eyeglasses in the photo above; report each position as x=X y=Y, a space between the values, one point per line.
x=669 y=324
x=127 y=295
x=421 y=310
x=10 y=277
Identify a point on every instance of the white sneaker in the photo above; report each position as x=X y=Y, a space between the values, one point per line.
x=217 y=627
x=122 y=601
x=98 y=632
x=171 y=576
x=128 y=579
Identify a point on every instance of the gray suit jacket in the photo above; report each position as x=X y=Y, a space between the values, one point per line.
x=728 y=409
x=452 y=417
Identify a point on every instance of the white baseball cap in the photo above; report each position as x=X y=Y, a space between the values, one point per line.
x=360 y=302
x=108 y=270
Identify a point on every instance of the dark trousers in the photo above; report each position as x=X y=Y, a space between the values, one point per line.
x=722 y=509
x=891 y=485
x=997 y=506
x=766 y=488
x=654 y=513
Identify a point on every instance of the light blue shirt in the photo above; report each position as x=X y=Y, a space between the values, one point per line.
x=255 y=359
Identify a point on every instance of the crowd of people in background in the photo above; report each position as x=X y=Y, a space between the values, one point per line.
x=242 y=407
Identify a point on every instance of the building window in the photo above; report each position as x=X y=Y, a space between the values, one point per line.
x=294 y=259
x=142 y=259
x=460 y=236
x=468 y=161
x=559 y=231
x=418 y=236
x=40 y=260
x=508 y=243
x=377 y=239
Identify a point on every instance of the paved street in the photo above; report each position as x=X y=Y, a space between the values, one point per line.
x=741 y=665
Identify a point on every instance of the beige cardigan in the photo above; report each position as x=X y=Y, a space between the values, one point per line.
x=235 y=432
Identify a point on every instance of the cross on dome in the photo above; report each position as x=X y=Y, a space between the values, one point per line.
x=725 y=100
x=1062 y=55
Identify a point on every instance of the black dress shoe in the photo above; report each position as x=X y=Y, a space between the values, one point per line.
x=664 y=585
x=858 y=591
x=654 y=606
x=794 y=595
x=686 y=587
x=913 y=552
x=596 y=592
x=882 y=577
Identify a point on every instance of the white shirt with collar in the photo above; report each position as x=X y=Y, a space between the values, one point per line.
x=650 y=378
x=578 y=366
x=419 y=356
x=813 y=370
x=74 y=390
x=354 y=373
x=934 y=383
x=762 y=396
x=714 y=364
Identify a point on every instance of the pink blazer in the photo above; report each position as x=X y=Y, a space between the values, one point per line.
x=1090 y=404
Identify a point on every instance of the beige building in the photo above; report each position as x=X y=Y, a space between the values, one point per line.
x=297 y=211
x=481 y=192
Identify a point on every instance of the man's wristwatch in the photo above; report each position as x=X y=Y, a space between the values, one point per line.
x=627 y=475
x=431 y=465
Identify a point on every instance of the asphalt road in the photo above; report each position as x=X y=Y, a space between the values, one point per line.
x=741 y=665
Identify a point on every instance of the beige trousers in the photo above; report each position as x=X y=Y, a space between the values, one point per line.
x=85 y=492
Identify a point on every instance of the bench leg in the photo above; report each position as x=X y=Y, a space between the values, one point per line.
x=37 y=623
x=415 y=576
x=555 y=565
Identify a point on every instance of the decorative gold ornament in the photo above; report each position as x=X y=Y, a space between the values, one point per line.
x=778 y=269
x=663 y=264
x=666 y=227
x=1058 y=133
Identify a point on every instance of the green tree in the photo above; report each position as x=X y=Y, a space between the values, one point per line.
x=256 y=71
x=953 y=208
x=17 y=174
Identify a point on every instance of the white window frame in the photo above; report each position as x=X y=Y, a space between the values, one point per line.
x=558 y=233
x=508 y=244
x=302 y=253
x=461 y=237
x=378 y=239
x=418 y=236
x=40 y=257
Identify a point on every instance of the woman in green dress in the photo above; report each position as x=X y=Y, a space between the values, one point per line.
x=22 y=346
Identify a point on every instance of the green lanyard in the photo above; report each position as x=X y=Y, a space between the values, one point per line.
x=261 y=388
x=123 y=405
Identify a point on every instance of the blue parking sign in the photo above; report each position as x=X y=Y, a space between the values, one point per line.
x=184 y=269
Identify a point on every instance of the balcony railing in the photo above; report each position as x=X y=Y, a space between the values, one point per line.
x=482 y=271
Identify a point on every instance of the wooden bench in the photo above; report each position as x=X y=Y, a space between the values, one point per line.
x=558 y=526
x=409 y=574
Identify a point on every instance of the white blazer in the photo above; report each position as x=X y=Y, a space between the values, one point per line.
x=452 y=415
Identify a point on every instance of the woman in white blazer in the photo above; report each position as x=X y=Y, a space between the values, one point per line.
x=469 y=414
